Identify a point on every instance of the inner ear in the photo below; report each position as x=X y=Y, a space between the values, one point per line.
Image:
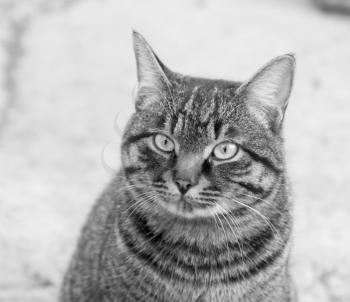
x=266 y=94
x=153 y=84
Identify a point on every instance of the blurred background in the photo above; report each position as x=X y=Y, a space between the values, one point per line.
x=67 y=71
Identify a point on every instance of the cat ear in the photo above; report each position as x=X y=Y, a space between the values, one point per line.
x=267 y=92
x=152 y=81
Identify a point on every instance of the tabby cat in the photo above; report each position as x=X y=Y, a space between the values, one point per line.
x=200 y=210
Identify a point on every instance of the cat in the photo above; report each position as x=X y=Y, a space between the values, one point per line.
x=200 y=209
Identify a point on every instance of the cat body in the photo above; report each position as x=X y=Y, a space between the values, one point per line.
x=200 y=209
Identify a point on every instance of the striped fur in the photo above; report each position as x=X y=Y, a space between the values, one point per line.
x=228 y=241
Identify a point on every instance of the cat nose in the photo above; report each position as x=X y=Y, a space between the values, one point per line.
x=183 y=185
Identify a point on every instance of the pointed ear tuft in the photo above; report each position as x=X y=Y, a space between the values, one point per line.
x=152 y=80
x=267 y=92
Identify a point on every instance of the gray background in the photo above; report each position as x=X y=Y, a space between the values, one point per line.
x=66 y=71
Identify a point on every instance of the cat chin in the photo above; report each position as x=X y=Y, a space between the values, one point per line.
x=190 y=209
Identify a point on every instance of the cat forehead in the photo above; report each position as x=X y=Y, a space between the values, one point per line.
x=194 y=135
x=201 y=115
x=203 y=100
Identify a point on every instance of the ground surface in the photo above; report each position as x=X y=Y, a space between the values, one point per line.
x=67 y=69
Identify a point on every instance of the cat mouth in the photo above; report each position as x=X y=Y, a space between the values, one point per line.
x=188 y=207
x=188 y=204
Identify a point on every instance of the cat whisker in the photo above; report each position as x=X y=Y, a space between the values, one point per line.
x=225 y=234
x=267 y=221
x=234 y=233
x=160 y=186
x=209 y=194
x=208 y=201
x=139 y=203
x=263 y=200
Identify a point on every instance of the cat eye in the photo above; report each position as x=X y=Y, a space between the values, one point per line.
x=225 y=151
x=163 y=143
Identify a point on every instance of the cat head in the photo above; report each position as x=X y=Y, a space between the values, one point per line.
x=198 y=147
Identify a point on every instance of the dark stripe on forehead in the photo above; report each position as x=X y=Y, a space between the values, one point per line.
x=190 y=104
x=208 y=107
x=171 y=121
x=185 y=112
x=217 y=128
x=231 y=131
x=186 y=105
x=160 y=121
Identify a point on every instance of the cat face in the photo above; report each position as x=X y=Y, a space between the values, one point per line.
x=197 y=147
